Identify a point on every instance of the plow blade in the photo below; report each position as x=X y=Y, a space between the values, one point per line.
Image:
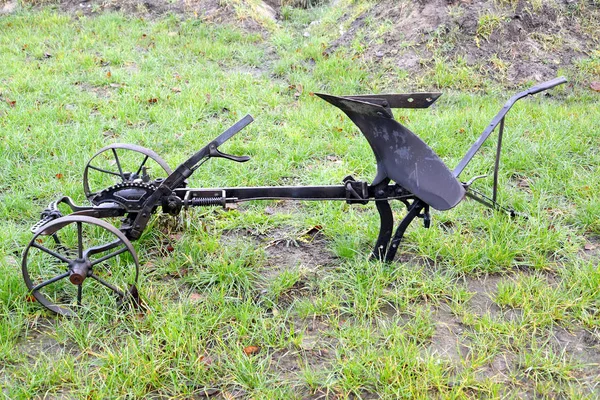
x=401 y=155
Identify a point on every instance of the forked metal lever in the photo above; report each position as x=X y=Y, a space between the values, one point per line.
x=213 y=151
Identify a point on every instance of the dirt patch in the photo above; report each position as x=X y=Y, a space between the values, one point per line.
x=447 y=342
x=41 y=340
x=527 y=41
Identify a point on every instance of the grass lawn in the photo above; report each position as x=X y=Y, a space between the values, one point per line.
x=245 y=303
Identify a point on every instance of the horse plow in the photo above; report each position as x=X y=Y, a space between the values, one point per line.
x=80 y=256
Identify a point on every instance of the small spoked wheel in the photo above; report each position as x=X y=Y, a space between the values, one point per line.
x=78 y=262
x=122 y=163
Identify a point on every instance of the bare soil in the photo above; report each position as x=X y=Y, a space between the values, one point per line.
x=524 y=42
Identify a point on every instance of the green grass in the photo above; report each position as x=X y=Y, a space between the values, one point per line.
x=343 y=328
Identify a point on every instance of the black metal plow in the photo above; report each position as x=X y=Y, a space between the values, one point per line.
x=80 y=257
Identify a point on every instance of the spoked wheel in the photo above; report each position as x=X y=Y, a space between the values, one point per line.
x=77 y=262
x=122 y=163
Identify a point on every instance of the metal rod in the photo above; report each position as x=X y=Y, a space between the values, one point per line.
x=49 y=281
x=499 y=117
x=79 y=294
x=108 y=285
x=52 y=253
x=106 y=257
x=79 y=240
x=118 y=164
x=142 y=165
x=105 y=171
x=497 y=163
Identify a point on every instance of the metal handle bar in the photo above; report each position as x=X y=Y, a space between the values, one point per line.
x=499 y=117
x=546 y=85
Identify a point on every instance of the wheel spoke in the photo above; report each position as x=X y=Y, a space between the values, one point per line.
x=79 y=292
x=118 y=164
x=105 y=171
x=141 y=166
x=60 y=246
x=79 y=240
x=108 y=285
x=110 y=255
x=49 y=281
x=52 y=253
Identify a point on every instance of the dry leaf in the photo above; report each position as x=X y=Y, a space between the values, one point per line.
x=249 y=350
x=595 y=86
x=59 y=176
x=10 y=102
x=152 y=100
x=589 y=246
x=176 y=89
x=30 y=298
x=108 y=74
x=195 y=297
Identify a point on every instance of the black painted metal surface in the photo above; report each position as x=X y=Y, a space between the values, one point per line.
x=401 y=155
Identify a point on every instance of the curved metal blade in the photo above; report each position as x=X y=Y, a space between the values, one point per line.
x=401 y=155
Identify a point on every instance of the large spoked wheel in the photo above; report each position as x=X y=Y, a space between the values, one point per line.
x=78 y=262
x=122 y=163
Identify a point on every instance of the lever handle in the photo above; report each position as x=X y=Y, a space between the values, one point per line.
x=214 y=152
x=546 y=85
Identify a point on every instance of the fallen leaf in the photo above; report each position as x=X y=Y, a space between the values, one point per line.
x=11 y=103
x=172 y=34
x=313 y=231
x=170 y=248
x=108 y=74
x=59 y=176
x=195 y=297
x=153 y=100
x=176 y=89
x=249 y=350
x=47 y=55
x=595 y=86
x=589 y=246
x=30 y=298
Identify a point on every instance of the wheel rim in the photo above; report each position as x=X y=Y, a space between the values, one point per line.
x=120 y=162
x=79 y=262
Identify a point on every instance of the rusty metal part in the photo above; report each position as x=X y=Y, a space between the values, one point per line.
x=135 y=172
x=77 y=255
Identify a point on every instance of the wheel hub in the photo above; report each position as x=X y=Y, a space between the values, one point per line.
x=79 y=270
